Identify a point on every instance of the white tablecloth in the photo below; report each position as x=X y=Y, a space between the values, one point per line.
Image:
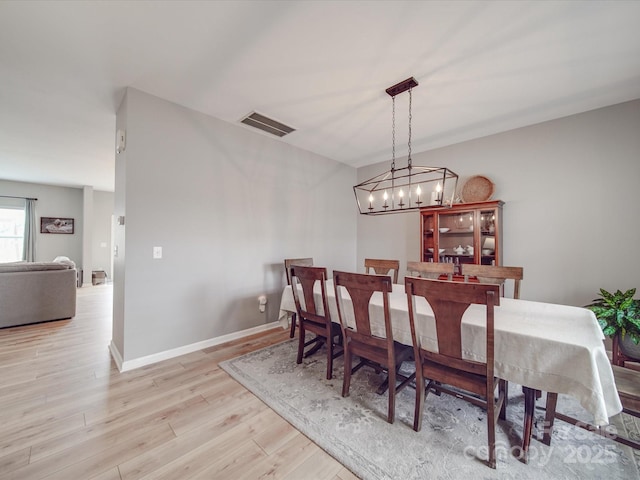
x=549 y=347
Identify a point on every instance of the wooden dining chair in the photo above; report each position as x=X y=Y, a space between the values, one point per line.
x=288 y=262
x=382 y=267
x=433 y=270
x=473 y=381
x=494 y=274
x=619 y=358
x=627 y=382
x=382 y=353
x=499 y=275
x=313 y=319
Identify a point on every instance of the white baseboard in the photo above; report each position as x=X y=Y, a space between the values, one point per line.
x=115 y=354
x=124 y=366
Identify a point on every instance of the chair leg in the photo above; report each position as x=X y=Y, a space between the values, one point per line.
x=552 y=401
x=301 y=335
x=417 y=416
x=329 y=358
x=392 y=396
x=292 y=332
x=503 y=411
x=491 y=430
x=529 y=407
x=346 y=383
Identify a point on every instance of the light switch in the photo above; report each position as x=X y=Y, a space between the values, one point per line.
x=157 y=252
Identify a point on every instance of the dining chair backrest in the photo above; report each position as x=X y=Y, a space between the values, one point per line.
x=360 y=288
x=311 y=317
x=306 y=277
x=494 y=274
x=449 y=301
x=382 y=267
x=431 y=270
x=289 y=262
x=620 y=358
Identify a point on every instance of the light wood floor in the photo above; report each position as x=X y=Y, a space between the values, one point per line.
x=67 y=413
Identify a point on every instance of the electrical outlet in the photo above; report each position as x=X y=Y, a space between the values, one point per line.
x=157 y=252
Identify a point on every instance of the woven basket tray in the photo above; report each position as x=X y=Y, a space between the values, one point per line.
x=477 y=189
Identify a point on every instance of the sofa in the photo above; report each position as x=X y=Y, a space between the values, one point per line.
x=32 y=292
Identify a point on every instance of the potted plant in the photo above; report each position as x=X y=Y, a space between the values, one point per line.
x=619 y=317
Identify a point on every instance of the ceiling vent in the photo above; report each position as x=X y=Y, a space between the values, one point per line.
x=267 y=124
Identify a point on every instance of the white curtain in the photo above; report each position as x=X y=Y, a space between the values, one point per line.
x=29 y=246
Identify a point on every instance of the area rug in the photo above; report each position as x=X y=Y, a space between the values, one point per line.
x=453 y=441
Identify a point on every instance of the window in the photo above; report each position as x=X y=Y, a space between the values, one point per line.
x=11 y=233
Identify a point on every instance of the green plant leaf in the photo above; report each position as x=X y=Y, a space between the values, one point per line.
x=618 y=313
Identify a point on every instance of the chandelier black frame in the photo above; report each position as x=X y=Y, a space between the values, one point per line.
x=407 y=188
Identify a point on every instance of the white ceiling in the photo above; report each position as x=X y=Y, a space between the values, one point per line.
x=319 y=66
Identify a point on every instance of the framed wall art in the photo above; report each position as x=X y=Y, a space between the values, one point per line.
x=56 y=225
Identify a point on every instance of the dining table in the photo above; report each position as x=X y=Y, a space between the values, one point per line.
x=541 y=346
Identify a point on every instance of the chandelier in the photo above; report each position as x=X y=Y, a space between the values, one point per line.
x=407 y=188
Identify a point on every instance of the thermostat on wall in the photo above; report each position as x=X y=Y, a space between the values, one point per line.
x=120 y=141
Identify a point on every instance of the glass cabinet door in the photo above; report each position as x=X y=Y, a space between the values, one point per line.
x=428 y=238
x=455 y=238
x=488 y=237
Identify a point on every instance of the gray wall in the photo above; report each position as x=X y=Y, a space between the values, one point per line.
x=227 y=205
x=101 y=231
x=571 y=196
x=56 y=201
x=52 y=201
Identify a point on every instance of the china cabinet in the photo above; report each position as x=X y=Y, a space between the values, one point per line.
x=462 y=233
